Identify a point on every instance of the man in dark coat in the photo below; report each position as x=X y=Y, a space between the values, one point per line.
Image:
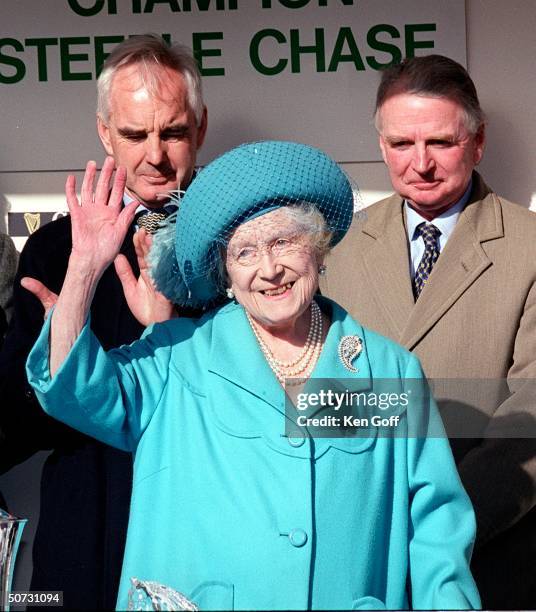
x=152 y=120
x=8 y=267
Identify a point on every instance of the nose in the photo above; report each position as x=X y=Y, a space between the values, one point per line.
x=269 y=267
x=423 y=162
x=156 y=151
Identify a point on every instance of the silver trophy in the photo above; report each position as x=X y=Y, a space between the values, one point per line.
x=150 y=595
x=10 y=535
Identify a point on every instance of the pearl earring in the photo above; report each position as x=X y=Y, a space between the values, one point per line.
x=230 y=293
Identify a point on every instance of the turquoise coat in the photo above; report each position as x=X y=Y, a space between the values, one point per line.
x=235 y=515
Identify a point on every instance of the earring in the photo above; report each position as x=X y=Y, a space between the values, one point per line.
x=230 y=293
x=322 y=270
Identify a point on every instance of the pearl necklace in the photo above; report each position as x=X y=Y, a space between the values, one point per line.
x=306 y=360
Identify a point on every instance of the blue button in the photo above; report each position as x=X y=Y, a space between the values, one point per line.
x=297 y=537
x=296 y=442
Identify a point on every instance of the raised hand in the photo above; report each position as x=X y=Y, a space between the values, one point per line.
x=146 y=303
x=99 y=224
x=99 y=220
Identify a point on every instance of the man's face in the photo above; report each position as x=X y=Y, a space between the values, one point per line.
x=428 y=150
x=153 y=134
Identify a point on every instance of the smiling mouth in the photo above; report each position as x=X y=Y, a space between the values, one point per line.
x=277 y=290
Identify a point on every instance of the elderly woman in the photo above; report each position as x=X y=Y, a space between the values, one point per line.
x=236 y=503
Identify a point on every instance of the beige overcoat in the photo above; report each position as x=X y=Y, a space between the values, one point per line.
x=475 y=319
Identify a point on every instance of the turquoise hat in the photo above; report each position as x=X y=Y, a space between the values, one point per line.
x=245 y=182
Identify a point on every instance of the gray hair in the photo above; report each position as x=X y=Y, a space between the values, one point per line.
x=147 y=51
x=434 y=76
x=311 y=221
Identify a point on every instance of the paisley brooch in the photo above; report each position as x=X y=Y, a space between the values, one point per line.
x=349 y=349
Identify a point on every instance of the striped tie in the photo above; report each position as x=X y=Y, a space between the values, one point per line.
x=151 y=220
x=430 y=234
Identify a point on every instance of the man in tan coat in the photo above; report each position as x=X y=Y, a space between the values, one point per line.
x=448 y=269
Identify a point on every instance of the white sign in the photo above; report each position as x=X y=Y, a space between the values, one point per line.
x=304 y=70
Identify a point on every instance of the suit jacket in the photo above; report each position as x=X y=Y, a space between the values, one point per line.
x=475 y=319
x=85 y=485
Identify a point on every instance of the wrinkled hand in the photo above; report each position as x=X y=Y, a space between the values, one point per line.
x=146 y=303
x=99 y=221
x=43 y=294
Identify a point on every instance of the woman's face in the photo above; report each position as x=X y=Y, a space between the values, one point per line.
x=272 y=269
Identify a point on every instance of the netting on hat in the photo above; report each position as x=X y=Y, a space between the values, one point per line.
x=190 y=253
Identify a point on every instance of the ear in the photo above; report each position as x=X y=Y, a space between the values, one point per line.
x=104 y=135
x=480 y=142
x=381 y=142
x=202 y=128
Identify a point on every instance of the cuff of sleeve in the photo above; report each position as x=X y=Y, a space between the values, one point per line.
x=37 y=364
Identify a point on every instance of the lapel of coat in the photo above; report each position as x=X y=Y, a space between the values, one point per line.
x=235 y=355
x=461 y=263
x=387 y=263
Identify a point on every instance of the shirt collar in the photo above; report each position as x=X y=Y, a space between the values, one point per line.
x=445 y=222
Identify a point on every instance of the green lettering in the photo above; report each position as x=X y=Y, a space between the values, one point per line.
x=67 y=57
x=15 y=62
x=293 y=4
x=100 y=53
x=378 y=45
x=267 y=4
x=254 y=52
x=411 y=43
x=87 y=12
x=203 y=5
x=200 y=53
x=173 y=5
x=318 y=49
x=345 y=36
x=41 y=44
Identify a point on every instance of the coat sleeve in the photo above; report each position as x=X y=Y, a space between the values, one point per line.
x=442 y=521
x=110 y=396
x=25 y=428
x=500 y=473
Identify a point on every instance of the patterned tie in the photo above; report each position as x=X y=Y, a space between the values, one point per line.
x=151 y=220
x=430 y=234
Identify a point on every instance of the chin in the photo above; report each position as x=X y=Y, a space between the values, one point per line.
x=431 y=202
x=156 y=200
x=279 y=320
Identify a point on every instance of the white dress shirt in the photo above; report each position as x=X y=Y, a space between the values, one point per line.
x=445 y=222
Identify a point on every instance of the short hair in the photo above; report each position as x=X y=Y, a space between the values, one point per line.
x=434 y=76
x=148 y=51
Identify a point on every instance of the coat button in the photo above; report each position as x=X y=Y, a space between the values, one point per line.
x=297 y=537
x=296 y=442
